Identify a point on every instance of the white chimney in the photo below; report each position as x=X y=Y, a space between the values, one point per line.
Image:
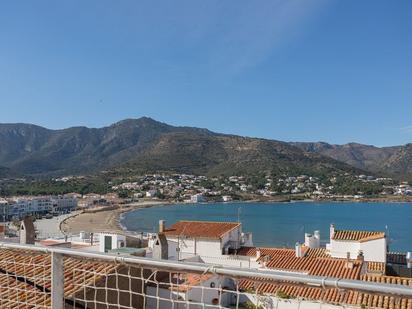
x=162 y=226
x=317 y=237
x=349 y=263
x=332 y=231
x=409 y=259
x=298 y=250
x=258 y=254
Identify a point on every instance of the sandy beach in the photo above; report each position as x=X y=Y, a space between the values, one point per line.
x=103 y=219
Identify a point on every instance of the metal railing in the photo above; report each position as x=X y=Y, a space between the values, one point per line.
x=58 y=278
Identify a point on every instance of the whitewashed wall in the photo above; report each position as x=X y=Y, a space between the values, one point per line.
x=374 y=250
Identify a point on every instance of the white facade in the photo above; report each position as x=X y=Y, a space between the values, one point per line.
x=197 y=198
x=373 y=250
x=215 y=251
x=18 y=208
x=207 y=292
x=109 y=241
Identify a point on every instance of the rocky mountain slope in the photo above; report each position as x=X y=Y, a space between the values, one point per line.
x=149 y=146
x=392 y=161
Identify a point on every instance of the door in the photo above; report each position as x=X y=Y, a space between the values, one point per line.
x=107 y=243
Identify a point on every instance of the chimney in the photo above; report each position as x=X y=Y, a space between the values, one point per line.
x=360 y=257
x=316 y=234
x=160 y=249
x=162 y=226
x=332 y=231
x=349 y=263
x=409 y=259
x=258 y=253
x=298 y=250
x=27 y=231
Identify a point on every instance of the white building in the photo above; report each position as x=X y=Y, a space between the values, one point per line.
x=348 y=243
x=110 y=241
x=208 y=242
x=151 y=193
x=191 y=288
x=197 y=198
x=18 y=208
x=227 y=198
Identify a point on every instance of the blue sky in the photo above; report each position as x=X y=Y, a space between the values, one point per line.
x=307 y=70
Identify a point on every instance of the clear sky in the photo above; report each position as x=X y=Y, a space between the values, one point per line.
x=294 y=70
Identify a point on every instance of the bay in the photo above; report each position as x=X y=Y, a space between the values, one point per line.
x=283 y=224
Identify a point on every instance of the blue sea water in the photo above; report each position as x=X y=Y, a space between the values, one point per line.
x=283 y=224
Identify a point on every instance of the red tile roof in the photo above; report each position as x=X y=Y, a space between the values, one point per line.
x=360 y=236
x=388 y=279
x=376 y=267
x=316 y=252
x=315 y=262
x=329 y=295
x=201 y=229
x=251 y=251
x=36 y=268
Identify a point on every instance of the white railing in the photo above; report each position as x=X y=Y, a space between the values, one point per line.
x=42 y=277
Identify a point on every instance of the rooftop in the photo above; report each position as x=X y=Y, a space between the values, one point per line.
x=361 y=236
x=35 y=268
x=201 y=229
x=329 y=295
x=316 y=262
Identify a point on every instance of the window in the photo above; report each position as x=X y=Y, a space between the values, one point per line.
x=212 y=285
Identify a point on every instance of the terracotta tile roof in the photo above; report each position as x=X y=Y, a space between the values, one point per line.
x=14 y=292
x=317 y=252
x=251 y=251
x=329 y=295
x=360 y=236
x=376 y=267
x=36 y=268
x=388 y=279
x=317 y=263
x=317 y=266
x=396 y=258
x=201 y=229
x=189 y=281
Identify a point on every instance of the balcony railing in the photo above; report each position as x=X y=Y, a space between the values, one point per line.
x=42 y=277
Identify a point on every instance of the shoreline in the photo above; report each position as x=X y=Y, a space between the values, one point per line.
x=108 y=219
x=104 y=219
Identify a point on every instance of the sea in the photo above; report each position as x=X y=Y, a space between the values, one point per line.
x=284 y=224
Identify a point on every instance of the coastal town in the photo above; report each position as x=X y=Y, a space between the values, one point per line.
x=183 y=188
x=359 y=258
x=201 y=188
x=89 y=224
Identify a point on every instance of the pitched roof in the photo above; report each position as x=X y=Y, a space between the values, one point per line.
x=376 y=267
x=35 y=268
x=360 y=236
x=329 y=295
x=317 y=252
x=316 y=263
x=189 y=281
x=201 y=229
x=251 y=251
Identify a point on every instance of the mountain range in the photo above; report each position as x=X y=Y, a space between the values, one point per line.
x=146 y=145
